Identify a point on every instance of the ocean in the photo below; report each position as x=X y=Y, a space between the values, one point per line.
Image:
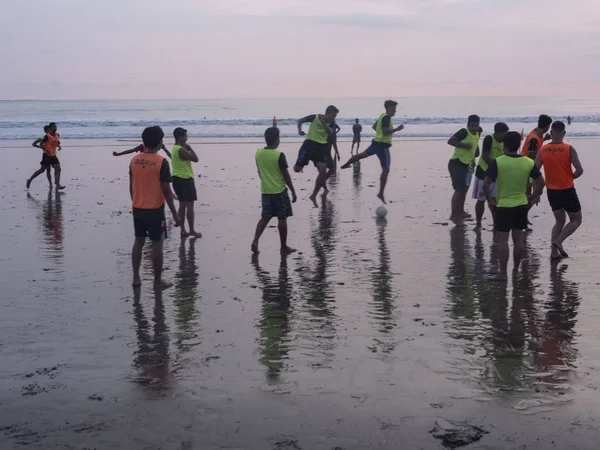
x=424 y=117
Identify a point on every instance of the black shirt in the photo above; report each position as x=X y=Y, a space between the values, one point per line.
x=492 y=171
x=357 y=129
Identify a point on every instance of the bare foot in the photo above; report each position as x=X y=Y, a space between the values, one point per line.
x=477 y=227
x=28 y=184
x=162 y=284
x=254 y=248
x=345 y=166
x=381 y=197
x=298 y=169
x=313 y=198
x=466 y=214
x=560 y=250
x=195 y=234
x=184 y=234
x=498 y=277
x=287 y=250
x=60 y=187
x=456 y=220
x=136 y=281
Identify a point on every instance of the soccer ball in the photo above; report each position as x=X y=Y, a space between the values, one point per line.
x=381 y=212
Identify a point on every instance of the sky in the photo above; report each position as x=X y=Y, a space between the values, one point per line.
x=138 y=49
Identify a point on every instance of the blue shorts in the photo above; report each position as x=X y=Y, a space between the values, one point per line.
x=383 y=153
x=155 y=229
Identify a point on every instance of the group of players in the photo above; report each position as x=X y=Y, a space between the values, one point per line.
x=510 y=181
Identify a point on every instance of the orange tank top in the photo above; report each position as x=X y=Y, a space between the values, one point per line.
x=532 y=135
x=145 y=181
x=557 y=165
x=51 y=144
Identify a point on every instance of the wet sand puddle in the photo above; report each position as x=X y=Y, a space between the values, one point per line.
x=376 y=334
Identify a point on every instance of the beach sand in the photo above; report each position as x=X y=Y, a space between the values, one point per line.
x=366 y=338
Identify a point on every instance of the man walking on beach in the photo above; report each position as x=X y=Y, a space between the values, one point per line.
x=511 y=172
x=356 y=130
x=384 y=131
x=274 y=183
x=466 y=147
x=49 y=145
x=182 y=156
x=149 y=186
x=492 y=148
x=557 y=157
x=315 y=147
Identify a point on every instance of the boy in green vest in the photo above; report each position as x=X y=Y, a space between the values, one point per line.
x=274 y=183
x=315 y=147
x=511 y=172
x=466 y=148
x=492 y=148
x=384 y=130
x=182 y=157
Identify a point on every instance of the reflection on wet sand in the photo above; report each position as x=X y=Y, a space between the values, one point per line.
x=382 y=306
x=151 y=358
x=51 y=219
x=274 y=323
x=316 y=290
x=460 y=280
x=186 y=294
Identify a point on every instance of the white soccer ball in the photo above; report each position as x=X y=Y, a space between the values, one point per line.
x=381 y=212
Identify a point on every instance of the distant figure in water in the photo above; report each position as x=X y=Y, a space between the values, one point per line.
x=511 y=172
x=384 y=131
x=274 y=122
x=557 y=157
x=49 y=144
x=356 y=130
x=150 y=187
x=569 y=120
x=315 y=147
x=274 y=183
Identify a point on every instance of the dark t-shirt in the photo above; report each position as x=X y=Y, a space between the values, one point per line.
x=310 y=118
x=153 y=214
x=487 y=146
x=385 y=122
x=492 y=171
x=460 y=134
x=282 y=162
x=332 y=137
x=357 y=129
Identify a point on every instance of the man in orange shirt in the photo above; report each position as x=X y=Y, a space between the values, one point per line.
x=557 y=158
x=150 y=187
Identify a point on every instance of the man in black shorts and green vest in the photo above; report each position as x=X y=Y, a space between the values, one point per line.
x=274 y=183
x=492 y=148
x=511 y=172
x=384 y=131
x=466 y=148
x=315 y=147
x=182 y=157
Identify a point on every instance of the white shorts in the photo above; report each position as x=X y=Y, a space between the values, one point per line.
x=478 y=193
x=469 y=177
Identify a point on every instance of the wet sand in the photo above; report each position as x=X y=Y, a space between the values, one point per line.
x=365 y=338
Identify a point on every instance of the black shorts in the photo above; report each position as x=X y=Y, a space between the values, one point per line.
x=458 y=173
x=155 y=229
x=276 y=205
x=48 y=160
x=356 y=139
x=312 y=151
x=185 y=189
x=564 y=199
x=507 y=219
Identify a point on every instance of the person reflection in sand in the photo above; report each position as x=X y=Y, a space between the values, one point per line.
x=52 y=222
x=383 y=288
x=152 y=355
x=186 y=292
x=274 y=323
x=460 y=278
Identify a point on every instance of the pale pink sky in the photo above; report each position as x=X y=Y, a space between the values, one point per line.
x=71 y=49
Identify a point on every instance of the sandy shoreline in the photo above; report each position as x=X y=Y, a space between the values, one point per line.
x=365 y=339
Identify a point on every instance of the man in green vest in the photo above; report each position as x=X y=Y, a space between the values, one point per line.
x=511 y=172
x=315 y=147
x=384 y=131
x=182 y=157
x=466 y=148
x=274 y=183
x=492 y=148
